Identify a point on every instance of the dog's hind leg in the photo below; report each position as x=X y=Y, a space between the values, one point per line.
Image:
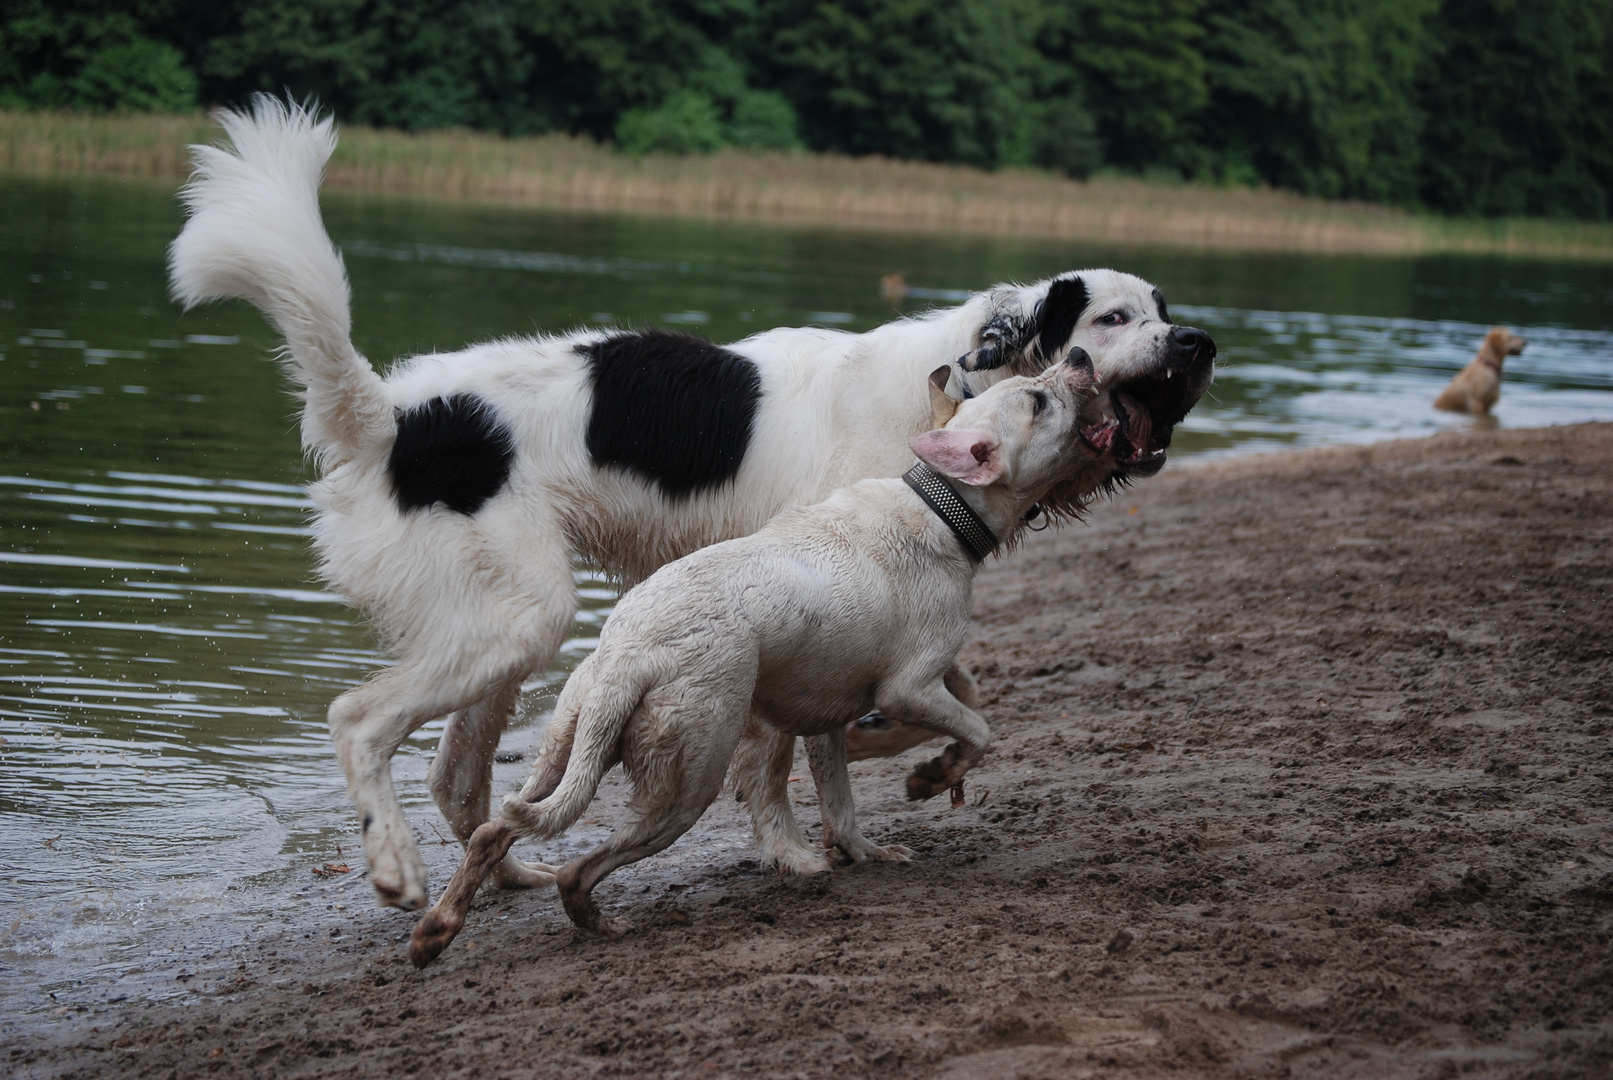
x=367 y=725
x=461 y=778
x=648 y=834
x=489 y=846
x=827 y=756
x=676 y=751
x=761 y=773
x=490 y=624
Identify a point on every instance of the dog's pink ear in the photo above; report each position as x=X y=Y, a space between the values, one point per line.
x=974 y=457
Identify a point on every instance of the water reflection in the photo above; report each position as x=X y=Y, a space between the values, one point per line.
x=167 y=652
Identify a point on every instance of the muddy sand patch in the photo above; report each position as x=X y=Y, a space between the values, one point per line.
x=1304 y=767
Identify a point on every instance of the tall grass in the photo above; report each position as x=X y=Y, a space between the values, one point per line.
x=562 y=172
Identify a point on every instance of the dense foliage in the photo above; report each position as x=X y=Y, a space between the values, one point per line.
x=1465 y=106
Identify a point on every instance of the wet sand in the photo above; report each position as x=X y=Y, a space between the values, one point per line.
x=1303 y=768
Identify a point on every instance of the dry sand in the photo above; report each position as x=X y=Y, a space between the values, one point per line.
x=1303 y=768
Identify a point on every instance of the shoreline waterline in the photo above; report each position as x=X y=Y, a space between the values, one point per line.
x=560 y=172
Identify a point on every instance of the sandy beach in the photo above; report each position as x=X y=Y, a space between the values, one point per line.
x=1303 y=768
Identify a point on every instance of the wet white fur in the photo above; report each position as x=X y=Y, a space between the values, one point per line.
x=472 y=605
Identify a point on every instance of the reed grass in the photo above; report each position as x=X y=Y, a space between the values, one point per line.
x=568 y=173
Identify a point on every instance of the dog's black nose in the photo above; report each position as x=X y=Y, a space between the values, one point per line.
x=1188 y=339
x=1079 y=359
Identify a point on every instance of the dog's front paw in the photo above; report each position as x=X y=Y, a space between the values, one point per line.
x=939 y=774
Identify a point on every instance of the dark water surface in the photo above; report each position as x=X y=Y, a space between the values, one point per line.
x=166 y=654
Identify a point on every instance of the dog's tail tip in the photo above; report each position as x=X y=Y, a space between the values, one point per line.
x=270 y=131
x=255 y=233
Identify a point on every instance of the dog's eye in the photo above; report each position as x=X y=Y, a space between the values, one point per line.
x=1038 y=402
x=1114 y=318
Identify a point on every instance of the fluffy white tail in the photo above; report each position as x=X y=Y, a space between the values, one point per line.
x=255 y=233
x=602 y=717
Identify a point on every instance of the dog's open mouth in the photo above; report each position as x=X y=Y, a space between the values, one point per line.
x=1136 y=418
x=1129 y=434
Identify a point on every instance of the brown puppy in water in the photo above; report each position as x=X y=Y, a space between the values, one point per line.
x=1477 y=387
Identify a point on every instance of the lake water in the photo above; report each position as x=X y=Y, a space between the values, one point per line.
x=166 y=655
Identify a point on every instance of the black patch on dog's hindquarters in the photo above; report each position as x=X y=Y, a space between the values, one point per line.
x=1057 y=315
x=671 y=407
x=1164 y=312
x=452 y=451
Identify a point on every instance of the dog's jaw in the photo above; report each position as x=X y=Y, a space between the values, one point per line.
x=1131 y=421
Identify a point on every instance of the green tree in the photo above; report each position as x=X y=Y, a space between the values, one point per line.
x=91 y=54
x=907 y=78
x=1469 y=106
x=1138 y=66
x=1519 y=97
x=1316 y=95
x=687 y=122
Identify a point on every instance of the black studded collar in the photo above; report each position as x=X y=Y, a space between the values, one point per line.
x=975 y=535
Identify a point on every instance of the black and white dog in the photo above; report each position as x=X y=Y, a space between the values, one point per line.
x=455 y=492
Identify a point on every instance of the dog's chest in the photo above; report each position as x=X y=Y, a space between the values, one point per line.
x=830 y=639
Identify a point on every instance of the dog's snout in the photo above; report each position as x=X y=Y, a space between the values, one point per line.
x=1189 y=339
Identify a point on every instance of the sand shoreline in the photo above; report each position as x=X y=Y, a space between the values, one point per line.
x=1303 y=766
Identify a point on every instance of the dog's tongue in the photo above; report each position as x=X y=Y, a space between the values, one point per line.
x=1139 y=424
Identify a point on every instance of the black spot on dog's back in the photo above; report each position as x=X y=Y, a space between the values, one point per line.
x=1164 y=312
x=1057 y=315
x=452 y=451
x=673 y=408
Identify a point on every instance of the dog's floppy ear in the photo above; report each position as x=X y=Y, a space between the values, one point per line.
x=1009 y=334
x=1057 y=315
x=942 y=405
x=973 y=457
x=1164 y=312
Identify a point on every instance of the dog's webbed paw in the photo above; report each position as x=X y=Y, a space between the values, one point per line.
x=1002 y=340
x=857 y=848
x=984 y=358
x=590 y=920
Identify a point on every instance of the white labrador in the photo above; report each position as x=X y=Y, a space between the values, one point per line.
x=859 y=601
